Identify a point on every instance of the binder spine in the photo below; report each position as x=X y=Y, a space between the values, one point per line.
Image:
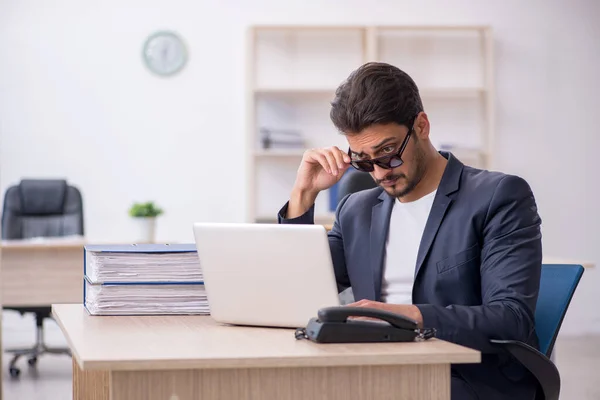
x=85 y=295
x=84 y=262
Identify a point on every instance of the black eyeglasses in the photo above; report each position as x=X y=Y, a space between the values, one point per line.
x=387 y=162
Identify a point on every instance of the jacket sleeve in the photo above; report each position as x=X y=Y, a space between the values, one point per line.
x=511 y=260
x=336 y=242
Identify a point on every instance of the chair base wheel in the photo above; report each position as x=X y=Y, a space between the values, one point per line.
x=32 y=361
x=14 y=372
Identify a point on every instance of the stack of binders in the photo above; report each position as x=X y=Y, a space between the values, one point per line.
x=143 y=279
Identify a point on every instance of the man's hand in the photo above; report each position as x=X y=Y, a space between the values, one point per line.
x=408 y=310
x=319 y=170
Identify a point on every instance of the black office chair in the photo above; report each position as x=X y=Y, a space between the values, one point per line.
x=40 y=208
x=354 y=181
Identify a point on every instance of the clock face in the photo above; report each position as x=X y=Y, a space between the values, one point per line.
x=165 y=53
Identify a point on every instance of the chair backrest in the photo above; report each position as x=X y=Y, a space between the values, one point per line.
x=42 y=208
x=557 y=286
x=354 y=181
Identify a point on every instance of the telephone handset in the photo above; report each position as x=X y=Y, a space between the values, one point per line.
x=341 y=314
x=335 y=325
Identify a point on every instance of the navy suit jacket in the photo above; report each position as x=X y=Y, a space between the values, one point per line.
x=478 y=267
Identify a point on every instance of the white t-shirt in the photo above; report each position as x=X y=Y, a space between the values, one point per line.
x=407 y=224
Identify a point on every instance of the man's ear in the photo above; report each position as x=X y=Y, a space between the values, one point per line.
x=422 y=126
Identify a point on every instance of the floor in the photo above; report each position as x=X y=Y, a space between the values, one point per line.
x=578 y=359
x=51 y=379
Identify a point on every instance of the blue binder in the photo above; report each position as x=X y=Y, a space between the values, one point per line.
x=86 y=282
x=140 y=249
x=137 y=248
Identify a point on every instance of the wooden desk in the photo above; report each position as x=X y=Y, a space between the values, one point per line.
x=41 y=273
x=191 y=357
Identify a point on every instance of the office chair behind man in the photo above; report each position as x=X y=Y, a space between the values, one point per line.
x=354 y=181
x=40 y=208
x=557 y=287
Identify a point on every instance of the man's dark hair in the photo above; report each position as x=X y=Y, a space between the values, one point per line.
x=375 y=93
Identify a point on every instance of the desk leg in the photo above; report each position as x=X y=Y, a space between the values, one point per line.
x=90 y=385
x=431 y=382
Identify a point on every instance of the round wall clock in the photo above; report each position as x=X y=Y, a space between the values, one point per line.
x=165 y=53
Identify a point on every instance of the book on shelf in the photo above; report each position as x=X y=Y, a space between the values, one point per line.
x=143 y=279
x=281 y=139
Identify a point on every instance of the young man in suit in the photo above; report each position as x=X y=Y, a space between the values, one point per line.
x=453 y=247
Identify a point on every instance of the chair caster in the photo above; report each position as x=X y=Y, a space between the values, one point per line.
x=32 y=361
x=14 y=372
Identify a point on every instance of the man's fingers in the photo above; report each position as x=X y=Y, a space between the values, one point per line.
x=321 y=159
x=346 y=157
x=363 y=318
x=333 y=160
x=325 y=158
x=339 y=157
x=333 y=165
x=361 y=303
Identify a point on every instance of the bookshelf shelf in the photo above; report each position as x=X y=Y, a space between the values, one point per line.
x=293 y=72
x=294 y=91
x=447 y=92
x=451 y=92
x=280 y=153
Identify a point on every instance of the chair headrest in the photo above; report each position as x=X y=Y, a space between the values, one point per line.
x=43 y=196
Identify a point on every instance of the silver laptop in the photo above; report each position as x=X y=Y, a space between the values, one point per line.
x=266 y=274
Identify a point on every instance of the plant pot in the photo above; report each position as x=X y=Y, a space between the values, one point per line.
x=145 y=229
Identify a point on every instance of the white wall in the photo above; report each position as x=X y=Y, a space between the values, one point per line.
x=76 y=101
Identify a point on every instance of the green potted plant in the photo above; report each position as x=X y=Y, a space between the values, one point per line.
x=145 y=216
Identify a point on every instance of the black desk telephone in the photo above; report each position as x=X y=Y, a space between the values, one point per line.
x=335 y=325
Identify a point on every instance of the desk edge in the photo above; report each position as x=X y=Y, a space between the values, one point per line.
x=74 y=353
x=466 y=356
x=258 y=363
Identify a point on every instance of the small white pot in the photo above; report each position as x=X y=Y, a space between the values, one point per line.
x=145 y=229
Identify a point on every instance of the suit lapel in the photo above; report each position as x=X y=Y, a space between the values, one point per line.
x=448 y=185
x=436 y=215
x=380 y=223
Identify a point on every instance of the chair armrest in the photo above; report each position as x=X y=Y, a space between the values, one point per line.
x=537 y=363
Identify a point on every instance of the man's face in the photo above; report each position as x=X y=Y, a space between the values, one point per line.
x=383 y=140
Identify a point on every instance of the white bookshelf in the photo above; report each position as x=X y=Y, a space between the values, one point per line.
x=293 y=72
